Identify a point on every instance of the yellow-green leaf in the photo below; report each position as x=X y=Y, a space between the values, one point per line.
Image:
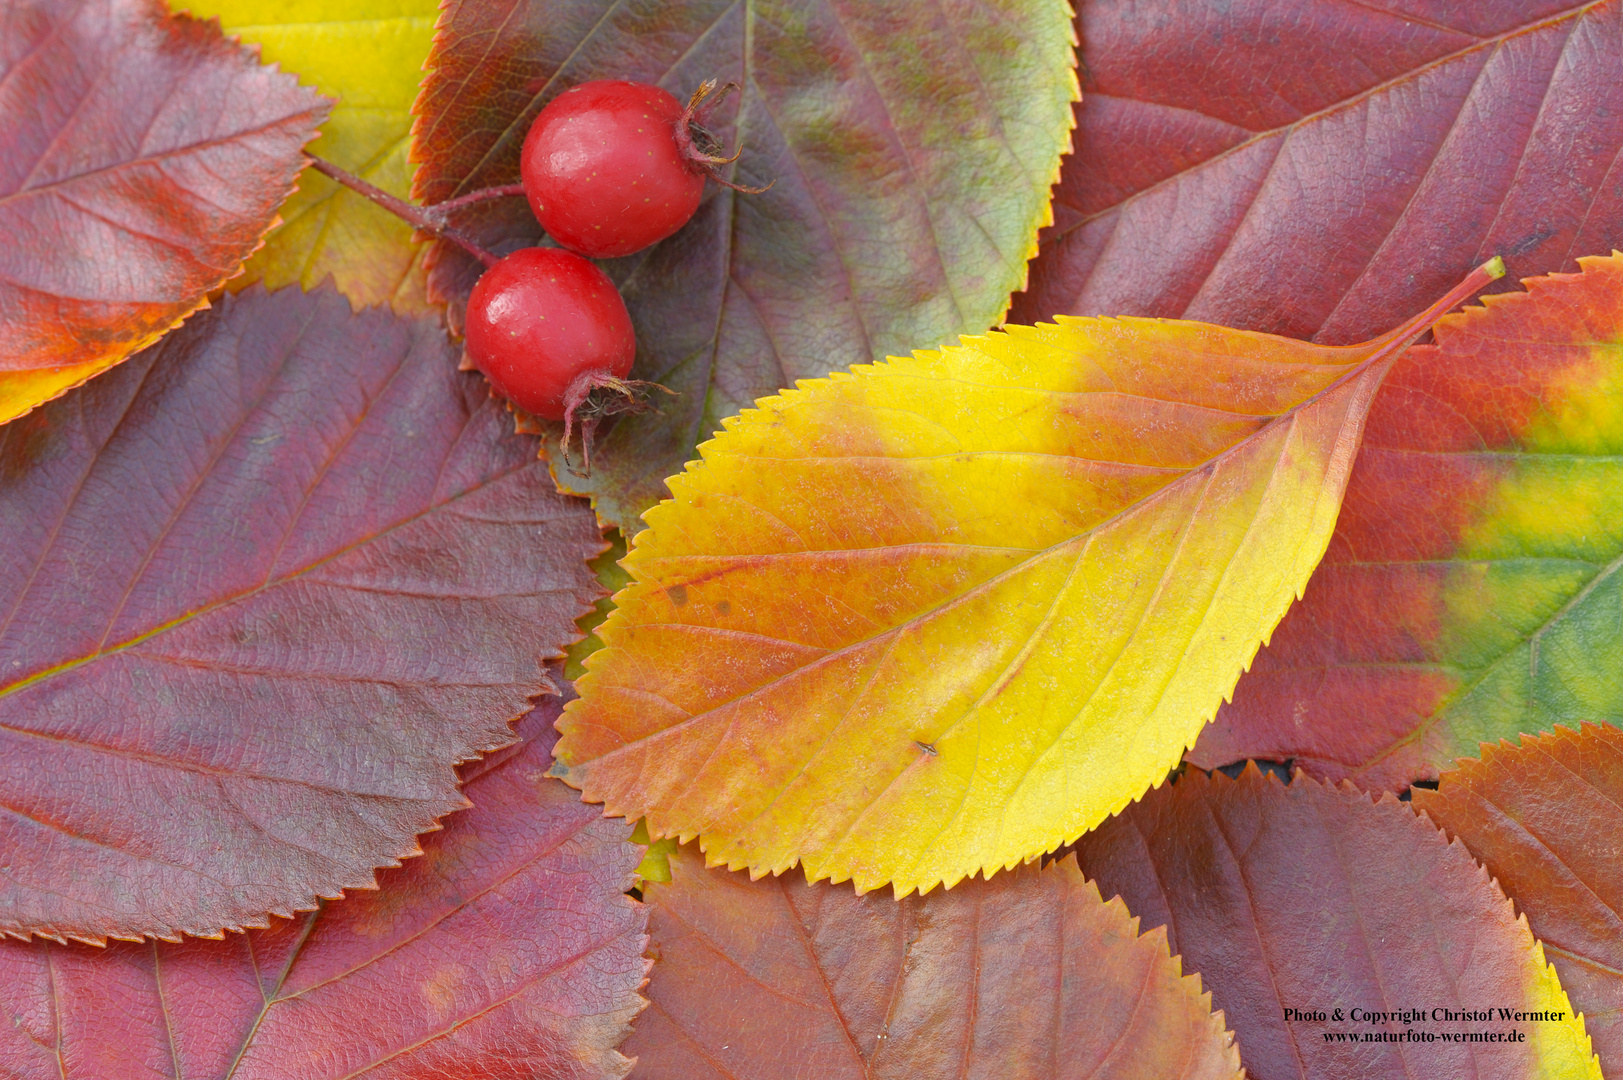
x=369 y=55
x=942 y=614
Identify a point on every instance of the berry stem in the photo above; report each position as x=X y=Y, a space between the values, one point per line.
x=419 y=217
x=483 y=194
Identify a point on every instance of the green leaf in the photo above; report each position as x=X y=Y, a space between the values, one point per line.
x=911 y=149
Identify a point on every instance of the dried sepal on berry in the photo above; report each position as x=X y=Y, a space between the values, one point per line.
x=701 y=149
x=595 y=395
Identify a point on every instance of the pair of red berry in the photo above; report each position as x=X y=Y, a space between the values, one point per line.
x=609 y=168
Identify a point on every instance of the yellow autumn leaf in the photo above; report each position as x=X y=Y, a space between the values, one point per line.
x=943 y=614
x=369 y=55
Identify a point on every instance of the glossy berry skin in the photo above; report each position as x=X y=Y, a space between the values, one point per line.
x=602 y=169
x=540 y=318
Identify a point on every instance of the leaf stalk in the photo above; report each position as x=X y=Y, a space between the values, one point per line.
x=1396 y=340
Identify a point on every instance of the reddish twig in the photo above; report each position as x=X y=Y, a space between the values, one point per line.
x=505 y=191
x=424 y=219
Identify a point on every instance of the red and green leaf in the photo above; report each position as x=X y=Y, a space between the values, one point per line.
x=142 y=159
x=1309 y=898
x=507 y=951
x=911 y=148
x=1028 y=975
x=1544 y=817
x=1471 y=590
x=267 y=583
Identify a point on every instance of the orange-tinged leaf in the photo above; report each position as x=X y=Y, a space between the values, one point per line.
x=142 y=159
x=946 y=613
x=1471 y=590
x=1544 y=817
x=1030 y=975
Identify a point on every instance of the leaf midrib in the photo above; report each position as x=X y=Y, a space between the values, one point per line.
x=618 y=621
x=68 y=665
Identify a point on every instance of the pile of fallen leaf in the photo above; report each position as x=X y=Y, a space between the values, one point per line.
x=922 y=734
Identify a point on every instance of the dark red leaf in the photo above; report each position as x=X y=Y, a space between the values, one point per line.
x=142 y=159
x=1027 y=975
x=1545 y=817
x=1322 y=170
x=508 y=950
x=266 y=584
x=1311 y=898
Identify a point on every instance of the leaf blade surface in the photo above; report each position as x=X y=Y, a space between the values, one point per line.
x=145 y=159
x=508 y=950
x=272 y=582
x=1402 y=146
x=944 y=614
x=1029 y=975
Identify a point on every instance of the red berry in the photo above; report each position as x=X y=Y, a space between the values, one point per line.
x=539 y=320
x=603 y=170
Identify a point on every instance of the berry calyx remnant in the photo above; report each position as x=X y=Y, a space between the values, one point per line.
x=702 y=150
x=591 y=398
